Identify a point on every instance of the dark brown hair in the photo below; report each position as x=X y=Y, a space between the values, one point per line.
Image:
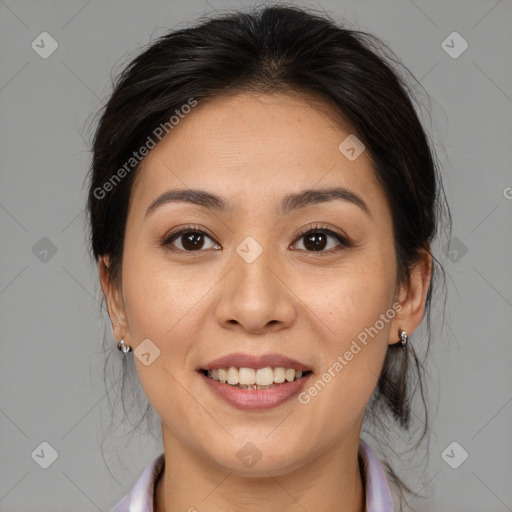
x=282 y=48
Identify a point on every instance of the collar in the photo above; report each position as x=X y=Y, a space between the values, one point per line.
x=378 y=496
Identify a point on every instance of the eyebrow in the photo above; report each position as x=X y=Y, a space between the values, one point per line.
x=290 y=202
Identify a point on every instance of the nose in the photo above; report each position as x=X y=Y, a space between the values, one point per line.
x=256 y=296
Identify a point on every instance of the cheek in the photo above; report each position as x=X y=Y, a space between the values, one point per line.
x=351 y=299
x=353 y=314
x=159 y=295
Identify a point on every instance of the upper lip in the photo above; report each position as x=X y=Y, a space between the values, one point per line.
x=241 y=360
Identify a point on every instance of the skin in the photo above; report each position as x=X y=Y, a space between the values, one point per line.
x=195 y=306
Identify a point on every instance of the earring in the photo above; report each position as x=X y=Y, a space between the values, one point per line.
x=403 y=338
x=124 y=347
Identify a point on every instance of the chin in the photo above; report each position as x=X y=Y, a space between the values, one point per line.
x=250 y=461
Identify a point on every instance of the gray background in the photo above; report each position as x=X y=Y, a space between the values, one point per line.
x=51 y=369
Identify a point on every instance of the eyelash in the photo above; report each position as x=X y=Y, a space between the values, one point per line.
x=344 y=242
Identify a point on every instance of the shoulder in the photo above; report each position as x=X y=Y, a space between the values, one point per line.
x=377 y=492
x=140 y=497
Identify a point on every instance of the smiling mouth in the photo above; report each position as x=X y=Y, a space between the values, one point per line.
x=250 y=378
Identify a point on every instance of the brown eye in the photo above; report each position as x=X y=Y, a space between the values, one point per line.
x=191 y=240
x=317 y=239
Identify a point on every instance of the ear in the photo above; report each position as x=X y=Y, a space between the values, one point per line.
x=412 y=297
x=113 y=297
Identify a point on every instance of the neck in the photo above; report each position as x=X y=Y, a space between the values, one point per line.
x=331 y=482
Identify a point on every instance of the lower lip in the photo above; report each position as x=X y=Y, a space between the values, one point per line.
x=255 y=399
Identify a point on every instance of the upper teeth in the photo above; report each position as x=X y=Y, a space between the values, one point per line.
x=250 y=376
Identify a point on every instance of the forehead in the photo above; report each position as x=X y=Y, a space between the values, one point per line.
x=247 y=145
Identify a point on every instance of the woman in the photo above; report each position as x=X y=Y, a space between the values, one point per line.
x=263 y=200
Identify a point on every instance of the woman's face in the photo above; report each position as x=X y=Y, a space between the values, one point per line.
x=246 y=281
